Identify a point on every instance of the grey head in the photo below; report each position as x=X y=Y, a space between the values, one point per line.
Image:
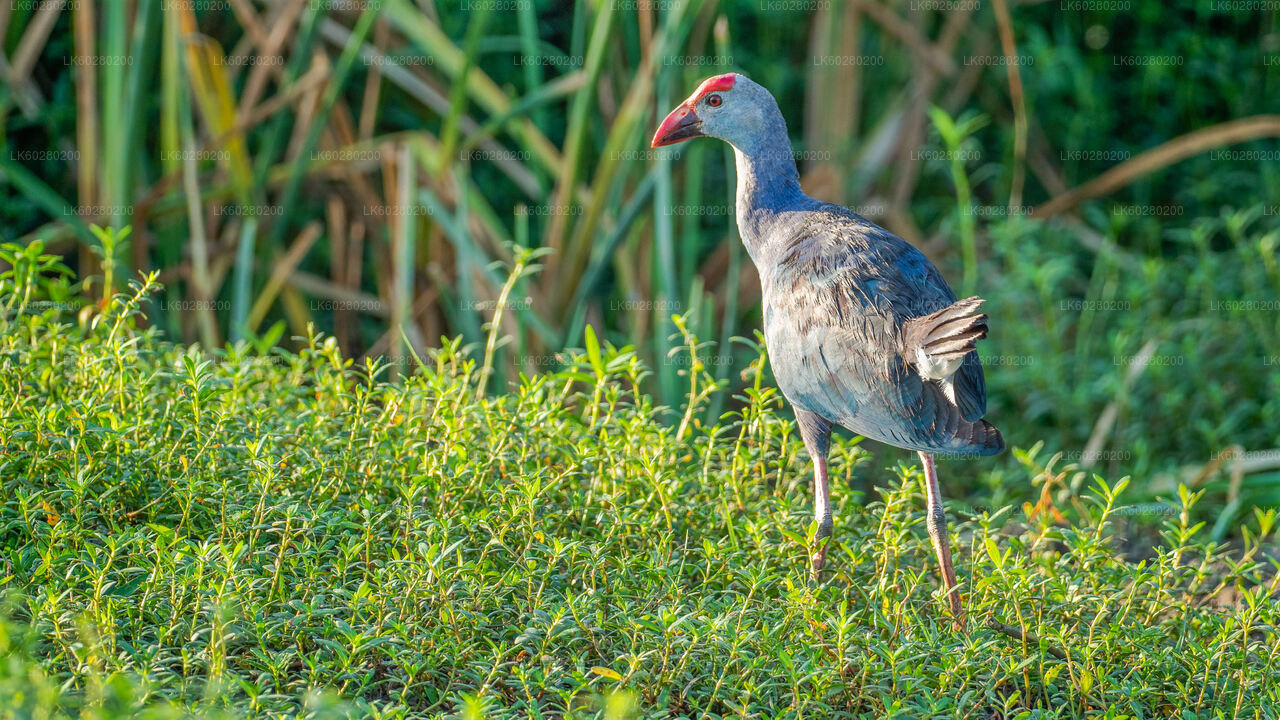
x=741 y=112
x=733 y=108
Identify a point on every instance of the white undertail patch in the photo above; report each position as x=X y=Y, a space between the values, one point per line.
x=934 y=368
x=949 y=389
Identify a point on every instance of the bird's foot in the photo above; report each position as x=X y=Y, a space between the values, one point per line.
x=957 y=610
x=819 y=560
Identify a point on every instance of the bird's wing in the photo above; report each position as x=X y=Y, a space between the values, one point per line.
x=840 y=293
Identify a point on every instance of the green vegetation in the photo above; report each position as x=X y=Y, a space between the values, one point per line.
x=235 y=535
x=403 y=418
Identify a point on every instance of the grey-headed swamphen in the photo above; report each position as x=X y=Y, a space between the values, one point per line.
x=861 y=329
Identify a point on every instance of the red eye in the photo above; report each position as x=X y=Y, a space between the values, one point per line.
x=714 y=100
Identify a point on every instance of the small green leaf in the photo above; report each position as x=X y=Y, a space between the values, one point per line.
x=161 y=530
x=593 y=350
x=994 y=553
x=605 y=672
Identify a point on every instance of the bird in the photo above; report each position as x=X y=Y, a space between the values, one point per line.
x=860 y=328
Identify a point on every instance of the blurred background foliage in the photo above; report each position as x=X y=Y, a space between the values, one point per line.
x=1103 y=172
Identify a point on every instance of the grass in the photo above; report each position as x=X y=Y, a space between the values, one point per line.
x=244 y=530
x=254 y=532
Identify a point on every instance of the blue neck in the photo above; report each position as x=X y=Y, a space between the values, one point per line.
x=768 y=185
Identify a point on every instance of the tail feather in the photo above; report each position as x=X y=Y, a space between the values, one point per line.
x=948 y=432
x=956 y=346
x=959 y=325
x=939 y=341
x=976 y=438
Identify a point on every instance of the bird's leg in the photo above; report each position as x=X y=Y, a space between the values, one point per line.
x=936 y=520
x=817 y=440
x=821 y=513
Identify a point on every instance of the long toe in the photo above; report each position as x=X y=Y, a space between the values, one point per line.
x=957 y=612
x=819 y=561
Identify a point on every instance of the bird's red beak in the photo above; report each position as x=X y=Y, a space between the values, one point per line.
x=683 y=123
